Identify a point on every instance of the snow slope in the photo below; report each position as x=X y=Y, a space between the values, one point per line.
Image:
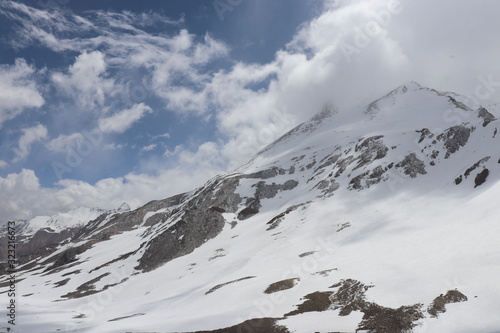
x=355 y=220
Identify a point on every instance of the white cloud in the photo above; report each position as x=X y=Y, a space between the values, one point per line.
x=64 y=143
x=164 y=135
x=114 y=146
x=123 y=120
x=29 y=137
x=21 y=196
x=86 y=80
x=119 y=40
x=148 y=147
x=18 y=90
x=3 y=164
x=421 y=42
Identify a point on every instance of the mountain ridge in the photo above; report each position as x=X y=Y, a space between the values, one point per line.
x=332 y=217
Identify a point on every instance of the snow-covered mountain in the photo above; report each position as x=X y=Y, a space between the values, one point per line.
x=380 y=218
x=43 y=231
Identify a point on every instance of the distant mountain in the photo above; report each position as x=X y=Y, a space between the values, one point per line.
x=379 y=218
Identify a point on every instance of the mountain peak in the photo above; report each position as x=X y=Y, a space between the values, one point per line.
x=124 y=207
x=413 y=86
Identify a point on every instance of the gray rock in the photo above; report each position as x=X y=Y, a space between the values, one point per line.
x=412 y=166
x=454 y=138
x=486 y=116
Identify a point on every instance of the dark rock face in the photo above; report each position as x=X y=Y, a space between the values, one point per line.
x=349 y=297
x=424 y=134
x=486 y=116
x=217 y=287
x=412 y=166
x=458 y=105
x=379 y=319
x=68 y=256
x=454 y=138
x=194 y=229
x=315 y=302
x=259 y=325
x=439 y=304
x=281 y=285
x=481 y=177
x=275 y=221
x=476 y=165
x=264 y=191
x=328 y=186
x=41 y=239
x=252 y=208
x=371 y=149
x=126 y=221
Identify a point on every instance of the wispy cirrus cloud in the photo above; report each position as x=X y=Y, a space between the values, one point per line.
x=116 y=43
x=123 y=120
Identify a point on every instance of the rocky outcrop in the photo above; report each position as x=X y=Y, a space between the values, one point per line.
x=193 y=230
x=438 y=306
x=454 y=138
x=486 y=116
x=412 y=165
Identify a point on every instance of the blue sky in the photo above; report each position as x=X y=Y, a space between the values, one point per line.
x=109 y=101
x=240 y=27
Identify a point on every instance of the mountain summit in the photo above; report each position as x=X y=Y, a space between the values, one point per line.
x=379 y=218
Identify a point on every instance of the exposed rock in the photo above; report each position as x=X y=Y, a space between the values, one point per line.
x=476 y=165
x=327 y=186
x=379 y=319
x=349 y=297
x=329 y=161
x=486 y=116
x=459 y=105
x=281 y=285
x=265 y=191
x=454 y=138
x=86 y=289
x=412 y=166
x=226 y=283
x=250 y=210
x=264 y=174
x=126 y=221
x=356 y=181
x=69 y=255
x=424 y=133
x=275 y=221
x=195 y=227
x=343 y=164
x=315 y=302
x=439 y=304
x=259 y=325
x=481 y=177
x=371 y=149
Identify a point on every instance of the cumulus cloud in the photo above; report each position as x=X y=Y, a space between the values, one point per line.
x=18 y=90
x=85 y=80
x=22 y=197
x=123 y=120
x=28 y=138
